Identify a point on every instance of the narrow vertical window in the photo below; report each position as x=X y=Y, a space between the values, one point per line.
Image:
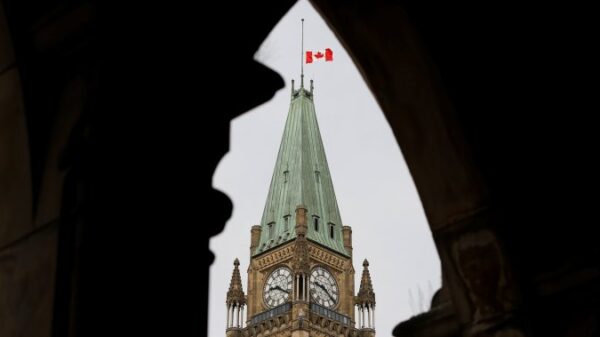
x=271 y=229
x=286 y=220
x=285 y=176
x=316 y=222
x=331 y=230
x=317 y=176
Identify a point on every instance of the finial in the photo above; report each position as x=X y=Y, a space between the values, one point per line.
x=236 y=262
x=365 y=263
x=302 y=57
x=311 y=86
x=292 y=87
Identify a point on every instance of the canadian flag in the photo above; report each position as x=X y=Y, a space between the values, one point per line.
x=318 y=56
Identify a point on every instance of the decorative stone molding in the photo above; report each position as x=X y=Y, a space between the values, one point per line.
x=301 y=261
x=327 y=258
x=327 y=327
x=276 y=326
x=275 y=257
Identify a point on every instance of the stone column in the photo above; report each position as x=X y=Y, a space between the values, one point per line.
x=232 y=315
x=228 y=312
x=373 y=318
x=364 y=318
x=305 y=288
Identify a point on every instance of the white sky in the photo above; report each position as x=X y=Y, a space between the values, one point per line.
x=374 y=189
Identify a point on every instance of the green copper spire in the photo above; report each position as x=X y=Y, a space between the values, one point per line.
x=301 y=177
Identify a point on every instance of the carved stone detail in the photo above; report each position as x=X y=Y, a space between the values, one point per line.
x=483 y=269
x=301 y=261
x=327 y=258
x=278 y=256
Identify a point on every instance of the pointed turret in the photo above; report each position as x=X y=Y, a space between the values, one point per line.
x=236 y=292
x=365 y=300
x=366 y=295
x=301 y=177
x=236 y=299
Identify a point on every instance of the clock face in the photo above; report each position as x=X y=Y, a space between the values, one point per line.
x=278 y=287
x=323 y=288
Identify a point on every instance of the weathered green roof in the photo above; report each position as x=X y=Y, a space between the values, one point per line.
x=301 y=177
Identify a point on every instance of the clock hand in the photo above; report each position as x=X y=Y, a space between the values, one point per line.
x=324 y=289
x=327 y=292
x=278 y=288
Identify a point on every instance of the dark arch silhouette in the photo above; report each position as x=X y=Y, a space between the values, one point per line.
x=114 y=116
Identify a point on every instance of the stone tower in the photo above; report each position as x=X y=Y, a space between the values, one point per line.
x=301 y=276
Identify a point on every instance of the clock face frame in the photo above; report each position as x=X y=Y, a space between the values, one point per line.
x=278 y=287
x=323 y=288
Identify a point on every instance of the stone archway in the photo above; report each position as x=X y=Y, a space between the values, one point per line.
x=110 y=53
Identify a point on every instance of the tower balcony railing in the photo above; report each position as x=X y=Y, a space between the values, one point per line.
x=277 y=311
x=330 y=314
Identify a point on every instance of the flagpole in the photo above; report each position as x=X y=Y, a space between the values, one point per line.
x=302 y=57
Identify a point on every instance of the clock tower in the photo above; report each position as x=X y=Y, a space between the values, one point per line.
x=301 y=274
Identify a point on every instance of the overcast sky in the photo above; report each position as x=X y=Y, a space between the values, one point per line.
x=375 y=192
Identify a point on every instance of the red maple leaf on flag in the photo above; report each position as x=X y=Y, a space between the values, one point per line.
x=319 y=55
